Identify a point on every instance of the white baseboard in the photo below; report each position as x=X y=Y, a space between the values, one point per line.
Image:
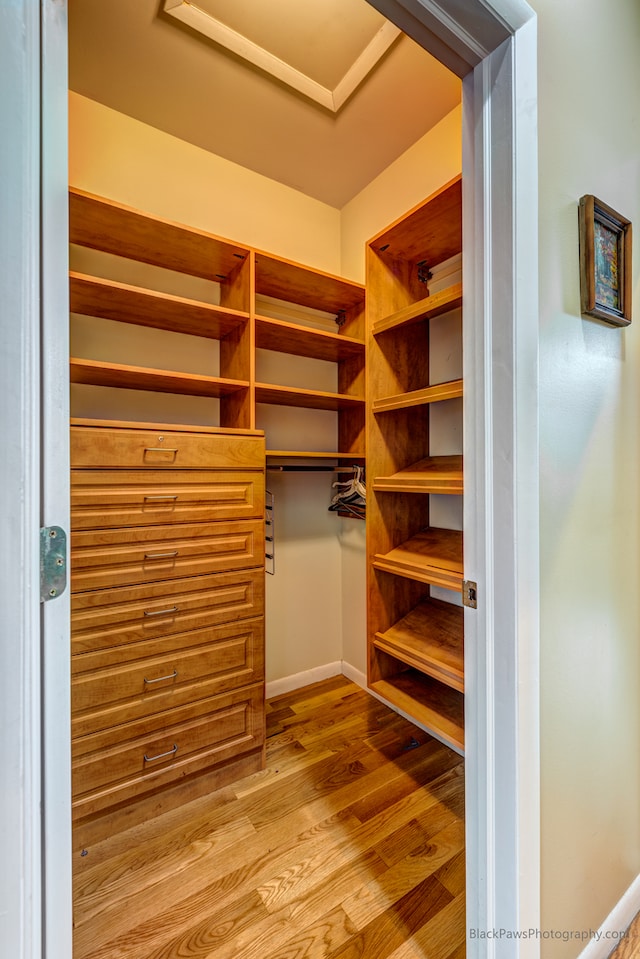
x=354 y=675
x=619 y=919
x=288 y=683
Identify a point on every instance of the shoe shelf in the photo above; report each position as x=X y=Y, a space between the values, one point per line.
x=435 y=706
x=432 y=556
x=433 y=474
x=429 y=638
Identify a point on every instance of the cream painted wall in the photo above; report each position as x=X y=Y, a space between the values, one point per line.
x=119 y=157
x=423 y=168
x=589 y=142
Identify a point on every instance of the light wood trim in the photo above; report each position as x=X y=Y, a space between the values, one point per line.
x=435 y=706
x=103 y=224
x=432 y=556
x=175 y=427
x=99 y=373
x=284 y=337
x=430 y=306
x=430 y=394
x=307 y=399
x=313 y=454
x=429 y=638
x=94 y=296
x=295 y=283
x=434 y=474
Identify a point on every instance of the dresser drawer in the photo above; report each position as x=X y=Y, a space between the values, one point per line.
x=114 y=686
x=122 y=763
x=139 y=554
x=112 y=498
x=132 y=614
x=97 y=446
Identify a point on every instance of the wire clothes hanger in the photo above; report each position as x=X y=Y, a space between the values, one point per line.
x=351 y=496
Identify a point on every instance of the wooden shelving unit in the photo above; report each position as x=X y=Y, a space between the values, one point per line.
x=416 y=645
x=245 y=277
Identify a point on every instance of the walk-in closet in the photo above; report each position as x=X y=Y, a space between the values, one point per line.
x=266 y=391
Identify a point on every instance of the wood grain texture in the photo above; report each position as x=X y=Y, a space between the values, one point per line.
x=349 y=843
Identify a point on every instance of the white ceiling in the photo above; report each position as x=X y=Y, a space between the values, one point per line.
x=133 y=56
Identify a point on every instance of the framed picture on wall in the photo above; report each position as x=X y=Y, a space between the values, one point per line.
x=605 y=262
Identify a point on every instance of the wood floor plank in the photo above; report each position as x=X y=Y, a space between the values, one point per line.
x=357 y=807
x=375 y=898
x=386 y=932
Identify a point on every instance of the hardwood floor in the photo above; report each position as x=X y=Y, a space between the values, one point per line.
x=349 y=844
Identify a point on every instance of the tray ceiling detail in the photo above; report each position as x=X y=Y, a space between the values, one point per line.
x=277 y=53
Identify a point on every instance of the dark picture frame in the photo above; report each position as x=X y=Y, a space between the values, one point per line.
x=605 y=262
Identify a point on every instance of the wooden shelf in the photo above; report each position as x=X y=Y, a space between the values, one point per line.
x=430 y=394
x=432 y=556
x=299 y=340
x=95 y=373
x=431 y=231
x=304 y=286
x=109 y=300
x=306 y=399
x=429 y=638
x=438 y=708
x=103 y=224
x=430 y=306
x=434 y=474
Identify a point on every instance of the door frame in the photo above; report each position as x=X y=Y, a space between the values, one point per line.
x=492 y=44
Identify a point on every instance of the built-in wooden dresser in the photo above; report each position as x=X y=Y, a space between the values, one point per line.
x=167 y=559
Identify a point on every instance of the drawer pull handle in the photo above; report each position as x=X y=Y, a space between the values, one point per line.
x=171 y=752
x=161 y=612
x=161 y=555
x=155 y=499
x=161 y=679
x=160 y=449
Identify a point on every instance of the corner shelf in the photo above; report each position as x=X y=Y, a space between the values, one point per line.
x=306 y=399
x=303 y=341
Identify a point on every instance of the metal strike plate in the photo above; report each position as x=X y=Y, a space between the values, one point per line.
x=470 y=594
x=53 y=562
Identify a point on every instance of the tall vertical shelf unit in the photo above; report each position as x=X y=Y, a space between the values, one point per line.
x=415 y=637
